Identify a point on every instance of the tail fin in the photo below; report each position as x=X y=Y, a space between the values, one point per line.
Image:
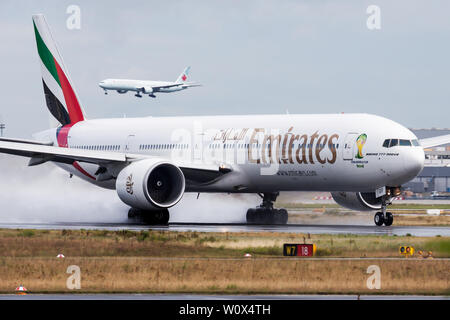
x=183 y=76
x=60 y=95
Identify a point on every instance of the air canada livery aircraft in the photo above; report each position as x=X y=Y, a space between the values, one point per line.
x=147 y=86
x=361 y=159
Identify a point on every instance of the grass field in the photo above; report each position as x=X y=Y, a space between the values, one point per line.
x=161 y=261
x=134 y=274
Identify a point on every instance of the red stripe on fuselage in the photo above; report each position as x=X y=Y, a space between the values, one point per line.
x=62 y=134
x=73 y=106
x=79 y=168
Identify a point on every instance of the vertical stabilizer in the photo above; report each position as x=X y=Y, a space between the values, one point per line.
x=183 y=76
x=60 y=96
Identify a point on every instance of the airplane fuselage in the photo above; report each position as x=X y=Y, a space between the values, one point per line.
x=125 y=85
x=266 y=153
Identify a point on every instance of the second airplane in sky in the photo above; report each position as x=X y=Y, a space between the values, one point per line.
x=148 y=86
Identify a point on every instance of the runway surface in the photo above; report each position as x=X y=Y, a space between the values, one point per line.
x=420 y=231
x=211 y=297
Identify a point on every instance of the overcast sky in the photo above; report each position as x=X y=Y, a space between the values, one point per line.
x=253 y=57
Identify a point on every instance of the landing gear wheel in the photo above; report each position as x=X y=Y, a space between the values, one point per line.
x=280 y=216
x=389 y=219
x=160 y=217
x=265 y=213
x=133 y=213
x=251 y=216
x=156 y=217
x=379 y=218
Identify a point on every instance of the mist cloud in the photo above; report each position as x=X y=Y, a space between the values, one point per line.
x=46 y=194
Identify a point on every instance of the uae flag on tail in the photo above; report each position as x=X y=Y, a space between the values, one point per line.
x=60 y=95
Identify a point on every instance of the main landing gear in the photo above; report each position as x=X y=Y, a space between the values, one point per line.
x=383 y=217
x=156 y=217
x=265 y=213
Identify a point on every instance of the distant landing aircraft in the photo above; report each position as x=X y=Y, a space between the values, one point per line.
x=147 y=86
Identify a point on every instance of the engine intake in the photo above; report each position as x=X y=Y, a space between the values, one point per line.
x=360 y=201
x=150 y=184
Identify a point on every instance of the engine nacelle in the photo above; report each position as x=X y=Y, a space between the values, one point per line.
x=360 y=201
x=147 y=89
x=150 y=184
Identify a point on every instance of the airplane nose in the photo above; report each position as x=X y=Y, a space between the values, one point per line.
x=414 y=162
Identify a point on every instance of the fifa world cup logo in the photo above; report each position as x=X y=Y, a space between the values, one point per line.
x=360 y=141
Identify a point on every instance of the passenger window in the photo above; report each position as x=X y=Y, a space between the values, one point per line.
x=394 y=142
x=386 y=143
x=405 y=143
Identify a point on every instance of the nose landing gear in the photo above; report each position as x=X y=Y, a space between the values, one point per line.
x=266 y=213
x=383 y=217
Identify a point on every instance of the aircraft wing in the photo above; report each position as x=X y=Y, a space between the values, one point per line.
x=435 y=141
x=184 y=85
x=168 y=85
x=191 y=84
x=56 y=154
x=40 y=153
x=48 y=143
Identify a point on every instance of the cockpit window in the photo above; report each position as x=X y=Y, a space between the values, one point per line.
x=405 y=142
x=394 y=142
x=389 y=143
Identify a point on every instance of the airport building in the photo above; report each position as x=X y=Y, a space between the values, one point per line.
x=435 y=176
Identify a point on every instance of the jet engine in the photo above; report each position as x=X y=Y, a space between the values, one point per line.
x=150 y=184
x=360 y=201
x=147 y=89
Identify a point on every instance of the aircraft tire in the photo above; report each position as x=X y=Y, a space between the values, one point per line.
x=133 y=213
x=250 y=217
x=281 y=217
x=266 y=216
x=389 y=219
x=378 y=219
x=153 y=217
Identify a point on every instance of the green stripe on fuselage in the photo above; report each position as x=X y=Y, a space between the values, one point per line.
x=45 y=55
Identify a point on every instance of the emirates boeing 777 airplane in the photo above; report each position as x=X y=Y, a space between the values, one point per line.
x=362 y=159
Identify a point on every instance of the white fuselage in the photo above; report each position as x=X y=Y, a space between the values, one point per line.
x=314 y=152
x=124 y=85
